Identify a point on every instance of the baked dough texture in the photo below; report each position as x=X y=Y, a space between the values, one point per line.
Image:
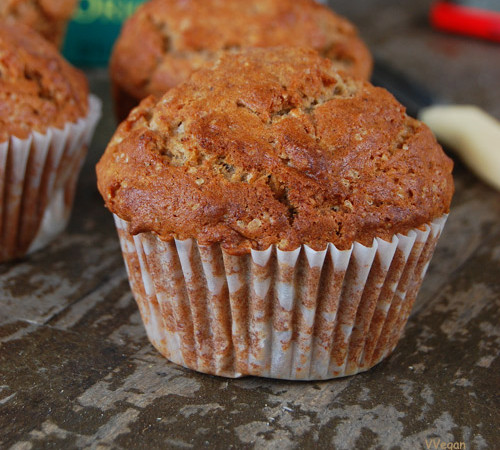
x=165 y=40
x=274 y=146
x=38 y=88
x=47 y=17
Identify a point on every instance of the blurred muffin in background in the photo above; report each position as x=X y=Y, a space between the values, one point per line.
x=47 y=118
x=165 y=40
x=48 y=17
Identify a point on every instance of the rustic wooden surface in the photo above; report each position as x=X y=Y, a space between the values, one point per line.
x=77 y=371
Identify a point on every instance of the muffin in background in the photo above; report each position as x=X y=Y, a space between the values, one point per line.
x=165 y=40
x=48 y=17
x=47 y=119
x=276 y=216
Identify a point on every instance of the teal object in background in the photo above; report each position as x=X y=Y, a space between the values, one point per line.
x=94 y=29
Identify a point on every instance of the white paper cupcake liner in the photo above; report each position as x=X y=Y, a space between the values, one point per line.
x=298 y=315
x=38 y=177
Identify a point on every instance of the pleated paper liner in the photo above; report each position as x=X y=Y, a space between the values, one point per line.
x=297 y=315
x=38 y=177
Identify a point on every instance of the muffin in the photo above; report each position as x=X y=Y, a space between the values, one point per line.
x=165 y=40
x=48 y=17
x=47 y=119
x=276 y=216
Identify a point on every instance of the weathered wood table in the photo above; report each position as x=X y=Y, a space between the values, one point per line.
x=77 y=371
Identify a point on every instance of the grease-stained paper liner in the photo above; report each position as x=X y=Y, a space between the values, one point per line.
x=300 y=315
x=38 y=178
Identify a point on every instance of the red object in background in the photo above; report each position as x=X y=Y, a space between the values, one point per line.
x=472 y=21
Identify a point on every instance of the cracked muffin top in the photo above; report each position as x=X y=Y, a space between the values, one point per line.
x=274 y=146
x=47 y=17
x=38 y=88
x=165 y=40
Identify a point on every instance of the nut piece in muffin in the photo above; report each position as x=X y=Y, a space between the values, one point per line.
x=48 y=17
x=165 y=40
x=46 y=121
x=274 y=147
x=275 y=215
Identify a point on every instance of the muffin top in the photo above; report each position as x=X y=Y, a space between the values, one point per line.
x=274 y=146
x=165 y=40
x=38 y=88
x=39 y=14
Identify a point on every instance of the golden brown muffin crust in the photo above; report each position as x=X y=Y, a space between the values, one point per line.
x=274 y=147
x=48 y=17
x=38 y=88
x=165 y=40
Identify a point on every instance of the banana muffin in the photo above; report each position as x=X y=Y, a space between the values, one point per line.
x=165 y=40
x=48 y=17
x=276 y=215
x=46 y=118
